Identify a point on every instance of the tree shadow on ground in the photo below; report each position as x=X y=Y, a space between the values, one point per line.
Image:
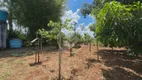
x=90 y=62
x=118 y=73
x=118 y=58
x=25 y=51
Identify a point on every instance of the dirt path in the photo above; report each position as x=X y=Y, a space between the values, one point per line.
x=83 y=66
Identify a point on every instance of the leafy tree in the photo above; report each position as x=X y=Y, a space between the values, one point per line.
x=56 y=34
x=128 y=1
x=68 y=33
x=97 y=5
x=94 y=8
x=51 y=34
x=72 y=37
x=89 y=36
x=118 y=25
x=35 y=14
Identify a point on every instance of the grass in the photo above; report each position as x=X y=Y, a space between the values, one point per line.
x=8 y=67
x=15 y=68
x=22 y=54
x=5 y=75
x=5 y=71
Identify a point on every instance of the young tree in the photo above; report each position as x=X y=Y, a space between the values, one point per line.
x=55 y=33
x=89 y=36
x=52 y=34
x=72 y=37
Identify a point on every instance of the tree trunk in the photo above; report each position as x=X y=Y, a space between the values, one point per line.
x=60 y=59
x=97 y=52
x=90 y=47
x=97 y=47
x=71 y=49
x=112 y=49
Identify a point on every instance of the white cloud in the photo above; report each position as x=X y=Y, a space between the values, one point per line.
x=91 y=16
x=86 y=30
x=70 y=15
x=78 y=10
x=74 y=16
x=81 y=29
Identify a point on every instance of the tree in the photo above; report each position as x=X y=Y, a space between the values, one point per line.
x=97 y=5
x=52 y=34
x=72 y=37
x=118 y=25
x=55 y=33
x=88 y=38
x=35 y=14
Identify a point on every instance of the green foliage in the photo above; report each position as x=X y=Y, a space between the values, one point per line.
x=34 y=14
x=87 y=38
x=94 y=8
x=22 y=54
x=86 y=9
x=56 y=27
x=120 y=25
x=92 y=27
x=108 y=27
x=97 y=5
x=128 y=1
x=52 y=34
x=16 y=34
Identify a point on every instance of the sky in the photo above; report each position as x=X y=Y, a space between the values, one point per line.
x=73 y=8
x=73 y=12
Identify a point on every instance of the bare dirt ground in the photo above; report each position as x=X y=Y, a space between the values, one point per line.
x=83 y=66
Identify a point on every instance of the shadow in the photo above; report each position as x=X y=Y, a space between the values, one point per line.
x=25 y=51
x=118 y=73
x=34 y=64
x=120 y=59
x=90 y=63
x=92 y=60
x=21 y=52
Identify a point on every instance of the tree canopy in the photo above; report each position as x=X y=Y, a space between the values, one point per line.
x=35 y=14
x=118 y=24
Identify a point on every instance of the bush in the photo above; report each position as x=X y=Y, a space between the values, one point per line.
x=16 y=34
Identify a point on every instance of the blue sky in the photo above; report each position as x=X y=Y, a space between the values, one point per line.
x=73 y=12
x=75 y=5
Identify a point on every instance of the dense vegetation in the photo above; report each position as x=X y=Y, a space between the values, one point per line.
x=33 y=14
x=118 y=23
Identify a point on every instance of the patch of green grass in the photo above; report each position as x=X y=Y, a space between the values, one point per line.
x=4 y=75
x=22 y=54
x=1 y=65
